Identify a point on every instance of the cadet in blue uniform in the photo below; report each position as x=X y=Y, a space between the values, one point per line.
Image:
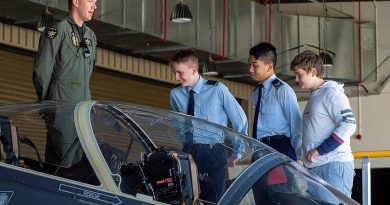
x=212 y=101
x=61 y=71
x=278 y=122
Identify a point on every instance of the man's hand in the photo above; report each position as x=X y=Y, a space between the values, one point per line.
x=231 y=162
x=311 y=154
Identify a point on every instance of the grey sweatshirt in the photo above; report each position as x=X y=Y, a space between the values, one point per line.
x=328 y=117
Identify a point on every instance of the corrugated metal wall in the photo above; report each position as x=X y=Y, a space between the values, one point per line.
x=120 y=89
x=16 y=84
x=15 y=78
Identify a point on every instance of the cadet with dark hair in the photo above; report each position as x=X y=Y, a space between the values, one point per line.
x=328 y=124
x=62 y=70
x=277 y=121
x=212 y=101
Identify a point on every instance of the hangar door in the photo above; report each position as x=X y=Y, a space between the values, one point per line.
x=16 y=84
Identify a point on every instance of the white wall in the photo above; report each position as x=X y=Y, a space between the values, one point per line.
x=373 y=124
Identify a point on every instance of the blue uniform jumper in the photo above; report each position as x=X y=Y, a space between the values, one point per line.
x=209 y=100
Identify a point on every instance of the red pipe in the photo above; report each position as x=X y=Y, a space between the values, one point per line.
x=359 y=50
x=360 y=45
x=164 y=37
x=270 y=21
x=165 y=22
x=222 y=56
x=223 y=29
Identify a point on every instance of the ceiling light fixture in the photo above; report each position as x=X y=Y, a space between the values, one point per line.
x=181 y=13
x=45 y=20
x=209 y=68
x=325 y=54
x=327 y=59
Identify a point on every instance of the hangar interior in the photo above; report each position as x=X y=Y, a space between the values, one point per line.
x=136 y=40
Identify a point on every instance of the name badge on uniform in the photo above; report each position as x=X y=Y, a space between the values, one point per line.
x=75 y=40
x=88 y=41
x=84 y=44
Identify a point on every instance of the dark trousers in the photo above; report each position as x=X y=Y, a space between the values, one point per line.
x=282 y=144
x=210 y=161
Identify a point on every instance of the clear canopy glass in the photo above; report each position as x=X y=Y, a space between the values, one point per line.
x=108 y=145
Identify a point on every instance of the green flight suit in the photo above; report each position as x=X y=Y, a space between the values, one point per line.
x=62 y=69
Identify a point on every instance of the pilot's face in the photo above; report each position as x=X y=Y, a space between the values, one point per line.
x=85 y=9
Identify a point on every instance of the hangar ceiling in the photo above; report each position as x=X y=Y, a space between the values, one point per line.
x=141 y=28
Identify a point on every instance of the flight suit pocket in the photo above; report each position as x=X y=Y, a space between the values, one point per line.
x=68 y=90
x=89 y=55
x=68 y=48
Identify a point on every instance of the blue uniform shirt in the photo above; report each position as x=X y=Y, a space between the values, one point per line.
x=213 y=102
x=279 y=112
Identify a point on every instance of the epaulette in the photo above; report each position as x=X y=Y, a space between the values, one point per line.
x=277 y=83
x=177 y=85
x=212 y=82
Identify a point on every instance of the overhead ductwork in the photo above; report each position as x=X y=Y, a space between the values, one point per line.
x=227 y=29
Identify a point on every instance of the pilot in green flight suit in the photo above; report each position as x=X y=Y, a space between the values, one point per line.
x=64 y=62
x=61 y=72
